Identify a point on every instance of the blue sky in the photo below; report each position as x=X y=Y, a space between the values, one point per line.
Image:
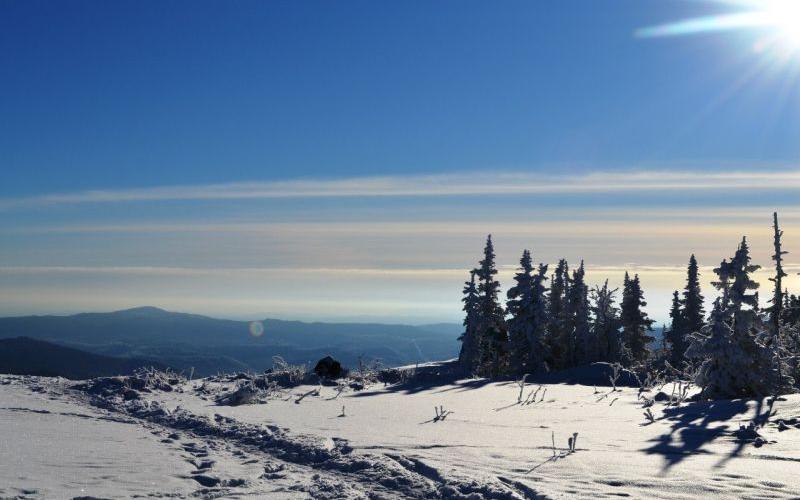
x=344 y=160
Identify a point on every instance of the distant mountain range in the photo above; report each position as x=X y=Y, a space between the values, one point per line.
x=210 y=345
x=25 y=356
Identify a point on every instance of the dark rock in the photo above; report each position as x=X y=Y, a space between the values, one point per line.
x=748 y=433
x=130 y=394
x=328 y=367
x=357 y=386
x=207 y=481
x=661 y=396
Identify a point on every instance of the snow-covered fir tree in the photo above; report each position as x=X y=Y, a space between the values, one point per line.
x=528 y=323
x=693 y=310
x=675 y=337
x=520 y=306
x=558 y=334
x=778 y=337
x=539 y=351
x=583 y=346
x=606 y=323
x=734 y=361
x=491 y=325
x=470 y=343
x=777 y=301
x=635 y=322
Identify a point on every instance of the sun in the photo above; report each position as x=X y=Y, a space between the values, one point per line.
x=777 y=20
x=785 y=16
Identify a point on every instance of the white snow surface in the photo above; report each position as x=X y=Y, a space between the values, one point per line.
x=58 y=443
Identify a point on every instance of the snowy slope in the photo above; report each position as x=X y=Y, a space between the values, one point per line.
x=388 y=446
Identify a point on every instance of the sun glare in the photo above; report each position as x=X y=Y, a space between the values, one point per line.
x=785 y=16
x=779 y=20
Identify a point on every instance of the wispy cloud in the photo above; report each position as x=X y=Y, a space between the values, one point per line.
x=435 y=185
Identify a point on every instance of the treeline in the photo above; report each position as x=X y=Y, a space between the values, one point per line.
x=553 y=321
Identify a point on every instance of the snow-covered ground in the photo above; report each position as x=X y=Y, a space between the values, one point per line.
x=383 y=442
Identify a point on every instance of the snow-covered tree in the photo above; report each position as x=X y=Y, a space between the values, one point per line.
x=635 y=322
x=776 y=309
x=520 y=306
x=491 y=325
x=539 y=351
x=527 y=326
x=470 y=342
x=676 y=337
x=583 y=346
x=606 y=324
x=778 y=339
x=693 y=310
x=735 y=362
x=557 y=330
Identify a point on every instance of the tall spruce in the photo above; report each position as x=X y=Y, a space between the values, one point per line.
x=527 y=327
x=776 y=309
x=693 y=311
x=635 y=322
x=777 y=344
x=676 y=337
x=557 y=330
x=539 y=350
x=606 y=324
x=583 y=348
x=520 y=307
x=470 y=342
x=491 y=325
x=734 y=362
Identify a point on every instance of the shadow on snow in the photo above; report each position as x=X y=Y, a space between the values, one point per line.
x=695 y=425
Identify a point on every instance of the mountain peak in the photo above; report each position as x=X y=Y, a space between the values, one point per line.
x=143 y=311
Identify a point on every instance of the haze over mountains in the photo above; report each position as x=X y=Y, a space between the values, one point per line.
x=209 y=345
x=26 y=356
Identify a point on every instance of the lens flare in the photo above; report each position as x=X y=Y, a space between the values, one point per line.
x=256 y=329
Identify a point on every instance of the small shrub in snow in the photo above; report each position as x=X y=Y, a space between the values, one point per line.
x=441 y=413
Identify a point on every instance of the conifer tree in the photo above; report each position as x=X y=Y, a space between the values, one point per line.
x=539 y=350
x=520 y=307
x=635 y=323
x=735 y=362
x=491 y=326
x=470 y=343
x=557 y=330
x=583 y=347
x=693 y=309
x=527 y=326
x=676 y=337
x=776 y=310
x=777 y=340
x=606 y=324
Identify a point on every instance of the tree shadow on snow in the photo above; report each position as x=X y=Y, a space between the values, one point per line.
x=422 y=384
x=698 y=424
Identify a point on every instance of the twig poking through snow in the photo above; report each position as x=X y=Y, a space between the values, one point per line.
x=616 y=367
x=313 y=392
x=521 y=384
x=441 y=413
x=572 y=442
